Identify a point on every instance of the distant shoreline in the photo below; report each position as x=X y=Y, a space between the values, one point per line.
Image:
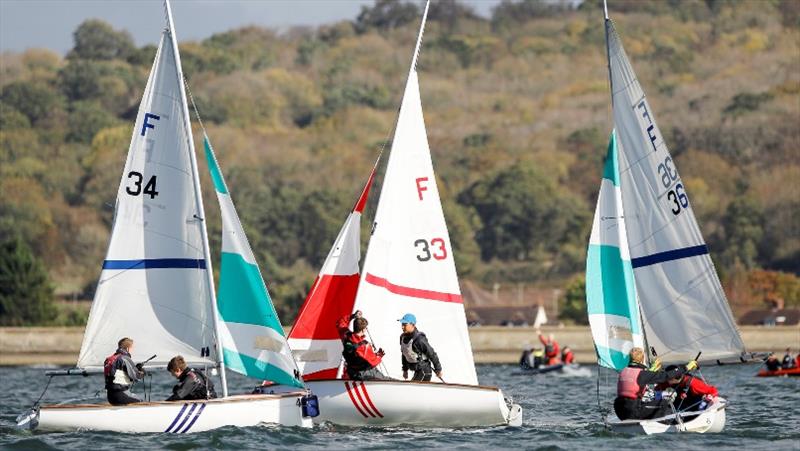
x=491 y=344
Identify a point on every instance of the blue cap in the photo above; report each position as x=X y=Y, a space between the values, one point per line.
x=408 y=318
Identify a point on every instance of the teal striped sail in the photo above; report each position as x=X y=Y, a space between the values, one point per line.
x=253 y=340
x=611 y=298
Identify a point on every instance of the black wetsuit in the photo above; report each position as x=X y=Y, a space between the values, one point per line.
x=647 y=406
x=773 y=364
x=117 y=392
x=427 y=360
x=192 y=384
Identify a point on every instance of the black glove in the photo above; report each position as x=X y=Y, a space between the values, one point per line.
x=140 y=368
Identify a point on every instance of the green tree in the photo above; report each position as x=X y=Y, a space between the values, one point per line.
x=574 y=302
x=95 y=39
x=743 y=229
x=35 y=100
x=26 y=296
x=386 y=14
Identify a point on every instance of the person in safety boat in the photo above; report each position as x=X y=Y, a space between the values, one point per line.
x=567 y=356
x=636 y=396
x=788 y=361
x=693 y=393
x=361 y=359
x=120 y=374
x=192 y=383
x=772 y=363
x=417 y=354
x=550 y=348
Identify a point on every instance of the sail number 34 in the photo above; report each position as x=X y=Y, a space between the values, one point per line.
x=135 y=189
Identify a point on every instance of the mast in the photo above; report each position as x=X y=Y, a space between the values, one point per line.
x=419 y=39
x=198 y=198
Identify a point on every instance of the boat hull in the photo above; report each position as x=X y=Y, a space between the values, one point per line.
x=179 y=417
x=710 y=420
x=412 y=403
x=793 y=372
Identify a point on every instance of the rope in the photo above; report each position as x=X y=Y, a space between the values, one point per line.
x=36 y=404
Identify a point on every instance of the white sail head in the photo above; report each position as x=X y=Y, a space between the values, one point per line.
x=409 y=265
x=153 y=287
x=683 y=306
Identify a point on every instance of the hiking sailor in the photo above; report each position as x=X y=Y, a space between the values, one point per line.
x=636 y=397
x=192 y=383
x=120 y=373
x=361 y=359
x=417 y=354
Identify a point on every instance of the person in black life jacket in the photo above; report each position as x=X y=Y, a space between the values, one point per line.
x=788 y=361
x=360 y=358
x=417 y=354
x=636 y=396
x=772 y=363
x=192 y=383
x=120 y=374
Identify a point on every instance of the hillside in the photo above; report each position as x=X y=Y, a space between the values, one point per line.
x=517 y=112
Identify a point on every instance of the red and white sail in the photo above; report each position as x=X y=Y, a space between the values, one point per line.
x=314 y=340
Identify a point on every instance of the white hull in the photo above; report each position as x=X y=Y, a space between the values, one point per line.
x=709 y=420
x=175 y=417
x=425 y=404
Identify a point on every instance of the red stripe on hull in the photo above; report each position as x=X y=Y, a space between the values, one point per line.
x=352 y=398
x=366 y=395
x=330 y=298
x=360 y=398
x=413 y=292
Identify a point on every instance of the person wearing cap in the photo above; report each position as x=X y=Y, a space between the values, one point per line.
x=417 y=354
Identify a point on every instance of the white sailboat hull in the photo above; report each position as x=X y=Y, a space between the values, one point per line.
x=179 y=417
x=409 y=403
x=710 y=420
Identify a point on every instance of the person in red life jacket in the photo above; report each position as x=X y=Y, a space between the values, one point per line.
x=636 y=397
x=567 y=356
x=361 y=359
x=120 y=374
x=416 y=353
x=550 y=348
x=691 y=390
x=192 y=383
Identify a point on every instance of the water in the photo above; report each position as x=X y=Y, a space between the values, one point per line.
x=559 y=413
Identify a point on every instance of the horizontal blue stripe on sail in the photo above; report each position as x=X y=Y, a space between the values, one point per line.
x=675 y=254
x=156 y=263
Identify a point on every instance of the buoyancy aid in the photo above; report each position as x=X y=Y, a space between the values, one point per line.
x=549 y=350
x=115 y=378
x=354 y=361
x=627 y=384
x=408 y=349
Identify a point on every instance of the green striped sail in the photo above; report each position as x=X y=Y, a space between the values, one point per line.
x=611 y=298
x=252 y=338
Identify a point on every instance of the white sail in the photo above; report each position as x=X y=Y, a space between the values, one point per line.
x=409 y=266
x=154 y=286
x=683 y=306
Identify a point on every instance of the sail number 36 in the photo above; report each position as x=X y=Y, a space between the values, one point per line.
x=434 y=248
x=677 y=195
x=135 y=189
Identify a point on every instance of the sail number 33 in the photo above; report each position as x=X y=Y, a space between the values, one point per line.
x=434 y=248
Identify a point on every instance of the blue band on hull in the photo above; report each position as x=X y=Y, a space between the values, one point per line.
x=156 y=263
x=675 y=254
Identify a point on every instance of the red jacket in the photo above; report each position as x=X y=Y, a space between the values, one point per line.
x=697 y=387
x=552 y=355
x=365 y=351
x=568 y=357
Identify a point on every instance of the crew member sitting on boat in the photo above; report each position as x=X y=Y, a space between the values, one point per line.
x=772 y=363
x=567 y=356
x=693 y=393
x=550 y=348
x=788 y=361
x=361 y=359
x=192 y=383
x=417 y=354
x=120 y=373
x=636 y=397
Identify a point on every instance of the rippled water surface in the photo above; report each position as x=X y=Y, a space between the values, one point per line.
x=559 y=413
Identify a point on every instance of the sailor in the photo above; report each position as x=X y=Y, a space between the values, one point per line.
x=693 y=392
x=567 y=356
x=772 y=363
x=361 y=359
x=550 y=348
x=788 y=361
x=417 y=354
x=120 y=373
x=192 y=383
x=636 y=397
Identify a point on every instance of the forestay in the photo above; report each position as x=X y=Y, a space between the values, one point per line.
x=409 y=266
x=610 y=292
x=314 y=339
x=154 y=286
x=683 y=306
x=252 y=337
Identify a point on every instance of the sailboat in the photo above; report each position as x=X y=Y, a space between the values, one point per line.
x=156 y=285
x=408 y=267
x=650 y=281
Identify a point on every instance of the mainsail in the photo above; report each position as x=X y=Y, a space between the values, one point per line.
x=154 y=286
x=683 y=306
x=314 y=339
x=409 y=265
x=610 y=292
x=253 y=341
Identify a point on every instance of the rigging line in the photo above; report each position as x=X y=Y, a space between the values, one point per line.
x=194 y=105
